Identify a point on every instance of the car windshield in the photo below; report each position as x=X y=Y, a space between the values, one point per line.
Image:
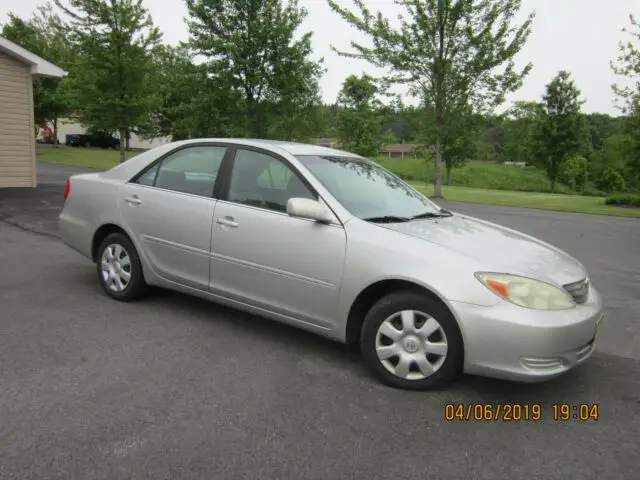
x=369 y=191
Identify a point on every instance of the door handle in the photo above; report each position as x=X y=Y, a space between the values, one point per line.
x=227 y=221
x=133 y=200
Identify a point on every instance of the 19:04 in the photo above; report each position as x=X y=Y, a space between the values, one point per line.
x=582 y=412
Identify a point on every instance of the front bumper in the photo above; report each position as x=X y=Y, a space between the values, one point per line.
x=514 y=343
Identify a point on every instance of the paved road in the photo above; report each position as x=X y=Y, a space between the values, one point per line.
x=173 y=387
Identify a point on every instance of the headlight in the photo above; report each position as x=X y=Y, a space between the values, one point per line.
x=526 y=292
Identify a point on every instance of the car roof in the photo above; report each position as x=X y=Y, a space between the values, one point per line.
x=134 y=165
x=293 y=148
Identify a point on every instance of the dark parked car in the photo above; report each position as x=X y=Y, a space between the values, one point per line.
x=96 y=140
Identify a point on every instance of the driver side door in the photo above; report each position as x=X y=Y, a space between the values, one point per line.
x=265 y=258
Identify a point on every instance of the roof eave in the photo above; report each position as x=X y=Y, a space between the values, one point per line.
x=39 y=66
x=50 y=70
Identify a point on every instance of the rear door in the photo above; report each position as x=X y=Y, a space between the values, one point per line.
x=169 y=208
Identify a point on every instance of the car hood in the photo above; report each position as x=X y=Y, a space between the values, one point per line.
x=496 y=248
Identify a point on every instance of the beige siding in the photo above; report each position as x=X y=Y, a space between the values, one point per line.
x=17 y=142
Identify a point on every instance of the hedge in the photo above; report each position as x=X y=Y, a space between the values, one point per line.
x=624 y=199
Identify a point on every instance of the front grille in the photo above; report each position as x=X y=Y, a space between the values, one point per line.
x=578 y=290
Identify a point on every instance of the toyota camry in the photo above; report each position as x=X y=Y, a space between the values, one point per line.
x=333 y=243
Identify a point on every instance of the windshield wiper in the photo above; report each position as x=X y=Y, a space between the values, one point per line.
x=442 y=213
x=387 y=219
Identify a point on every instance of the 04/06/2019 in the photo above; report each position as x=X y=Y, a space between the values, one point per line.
x=515 y=412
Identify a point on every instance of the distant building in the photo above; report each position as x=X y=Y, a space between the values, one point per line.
x=70 y=127
x=327 y=142
x=399 y=150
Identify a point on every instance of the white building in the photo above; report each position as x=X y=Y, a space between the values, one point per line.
x=68 y=127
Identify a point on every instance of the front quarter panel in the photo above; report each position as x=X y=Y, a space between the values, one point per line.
x=375 y=254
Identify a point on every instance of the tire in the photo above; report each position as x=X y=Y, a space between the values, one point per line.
x=135 y=287
x=410 y=342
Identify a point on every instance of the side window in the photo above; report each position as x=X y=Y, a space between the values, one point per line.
x=191 y=170
x=149 y=177
x=263 y=181
x=276 y=175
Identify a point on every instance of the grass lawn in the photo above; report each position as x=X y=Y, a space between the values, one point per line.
x=489 y=176
x=499 y=181
x=544 y=201
x=81 y=157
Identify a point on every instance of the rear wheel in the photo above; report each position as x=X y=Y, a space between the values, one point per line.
x=412 y=341
x=119 y=268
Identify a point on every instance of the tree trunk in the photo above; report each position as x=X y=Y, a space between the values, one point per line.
x=55 y=129
x=123 y=136
x=553 y=185
x=437 y=184
x=448 y=179
x=127 y=142
x=253 y=118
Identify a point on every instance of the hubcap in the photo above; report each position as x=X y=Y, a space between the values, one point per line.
x=115 y=266
x=411 y=345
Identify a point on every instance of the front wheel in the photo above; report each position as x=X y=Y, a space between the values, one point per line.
x=411 y=341
x=119 y=268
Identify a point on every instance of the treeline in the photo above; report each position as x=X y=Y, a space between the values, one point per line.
x=247 y=70
x=253 y=75
x=596 y=153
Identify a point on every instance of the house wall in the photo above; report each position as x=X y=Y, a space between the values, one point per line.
x=17 y=134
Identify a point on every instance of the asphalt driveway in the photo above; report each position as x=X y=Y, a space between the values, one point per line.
x=174 y=387
x=57 y=174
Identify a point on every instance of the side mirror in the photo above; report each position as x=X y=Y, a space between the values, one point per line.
x=310 y=209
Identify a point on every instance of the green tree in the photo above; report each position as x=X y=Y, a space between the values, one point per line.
x=491 y=132
x=44 y=34
x=627 y=65
x=615 y=154
x=111 y=84
x=602 y=126
x=449 y=51
x=193 y=103
x=459 y=139
x=327 y=115
x=358 y=124
x=521 y=143
x=575 y=173
x=402 y=121
x=561 y=130
x=251 y=49
x=296 y=109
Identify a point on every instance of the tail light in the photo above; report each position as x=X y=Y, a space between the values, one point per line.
x=67 y=189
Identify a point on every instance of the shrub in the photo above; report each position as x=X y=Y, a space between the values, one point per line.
x=611 y=181
x=624 y=199
x=592 y=191
x=575 y=173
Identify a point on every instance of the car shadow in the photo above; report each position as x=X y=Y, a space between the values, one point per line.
x=587 y=382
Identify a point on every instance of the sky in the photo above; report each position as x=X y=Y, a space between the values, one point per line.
x=580 y=36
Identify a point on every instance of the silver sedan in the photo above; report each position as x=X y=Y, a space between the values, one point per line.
x=331 y=242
